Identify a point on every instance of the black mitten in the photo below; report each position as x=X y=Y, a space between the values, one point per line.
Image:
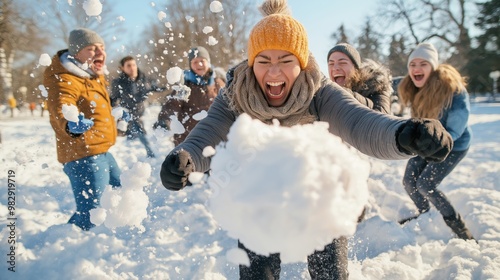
x=176 y=169
x=426 y=138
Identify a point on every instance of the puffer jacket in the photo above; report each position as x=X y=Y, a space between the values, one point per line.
x=68 y=84
x=374 y=87
x=202 y=95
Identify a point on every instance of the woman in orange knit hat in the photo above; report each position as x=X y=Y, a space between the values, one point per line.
x=281 y=80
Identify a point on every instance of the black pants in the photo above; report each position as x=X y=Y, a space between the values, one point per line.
x=422 y=178
x=331 y=263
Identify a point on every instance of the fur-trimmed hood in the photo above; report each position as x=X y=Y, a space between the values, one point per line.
x=373 y=78
x=372 y=86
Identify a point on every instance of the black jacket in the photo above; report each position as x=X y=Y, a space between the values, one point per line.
x=131 y=94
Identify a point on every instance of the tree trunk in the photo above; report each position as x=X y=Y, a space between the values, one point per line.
x=6 y=72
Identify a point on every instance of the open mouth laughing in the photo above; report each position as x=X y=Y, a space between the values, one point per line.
x=275 y=90
x=418 y=77
x=339 y=79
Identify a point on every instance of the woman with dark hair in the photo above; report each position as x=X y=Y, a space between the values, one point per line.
x=368 y=81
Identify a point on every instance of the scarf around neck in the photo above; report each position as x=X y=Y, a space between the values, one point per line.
x=246 y=96
x=206 y=80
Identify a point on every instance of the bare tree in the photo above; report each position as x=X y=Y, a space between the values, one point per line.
x=60 y=17
x=368 y=43
x=397 y=57
x=421 y=20
x=340 y=36
x=189 y=23
x=20 y=37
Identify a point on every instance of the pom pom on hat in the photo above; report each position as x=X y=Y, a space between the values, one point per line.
x=348 y=50
x=427 y=52
x=82 y=37
x=280 y=31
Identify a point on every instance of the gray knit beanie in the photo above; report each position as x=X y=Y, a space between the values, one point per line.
x=198 y=52
x=82 y=37
x=348 y=50
x=427 y=52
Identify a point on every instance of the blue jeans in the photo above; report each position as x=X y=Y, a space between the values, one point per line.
x=422 y=178
x=136 y=129
x=89 y=176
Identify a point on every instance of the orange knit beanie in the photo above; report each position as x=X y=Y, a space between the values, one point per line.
x=280 y=31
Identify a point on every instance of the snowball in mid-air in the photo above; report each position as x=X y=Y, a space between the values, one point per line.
x=174 y=75
x=207 y=29
x=176 y=126
x=97 y=216
x=216 y=7
x=92 y=7
x=208 y=151
x=44 y=60
x=295 y=185
x=200 y=115
x=212 y=41
x=162 y=15
x=70 y=112
x=44 y=91
x=196 y=177
x=122 y=125
x=117 y=112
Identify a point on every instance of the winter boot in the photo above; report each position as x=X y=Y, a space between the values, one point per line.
x=457 y=225
x=406 y=220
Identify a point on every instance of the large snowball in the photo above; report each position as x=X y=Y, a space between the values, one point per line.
x=70 y=112
x=287 y=190
x=92 y=7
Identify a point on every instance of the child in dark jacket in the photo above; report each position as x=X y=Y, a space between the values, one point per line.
x=195 y=95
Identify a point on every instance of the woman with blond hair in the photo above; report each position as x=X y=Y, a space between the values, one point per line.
x=436 y=91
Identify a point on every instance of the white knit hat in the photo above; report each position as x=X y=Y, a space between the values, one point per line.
x=427 y=52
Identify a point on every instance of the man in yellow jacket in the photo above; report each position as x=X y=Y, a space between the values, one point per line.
x=12 y=105
x=76 y=78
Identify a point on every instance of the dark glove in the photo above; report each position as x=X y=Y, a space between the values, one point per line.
x=81 y=126
x=176 y=169
x=426 y=138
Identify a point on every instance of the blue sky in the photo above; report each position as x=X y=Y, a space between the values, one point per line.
x=320 y=18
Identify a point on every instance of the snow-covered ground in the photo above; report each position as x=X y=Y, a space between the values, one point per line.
x=180 y=239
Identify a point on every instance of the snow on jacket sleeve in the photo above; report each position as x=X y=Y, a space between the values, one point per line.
x=210 y=131
x=371 y=132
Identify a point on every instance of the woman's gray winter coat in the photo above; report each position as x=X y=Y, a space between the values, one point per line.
x=368 y=131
